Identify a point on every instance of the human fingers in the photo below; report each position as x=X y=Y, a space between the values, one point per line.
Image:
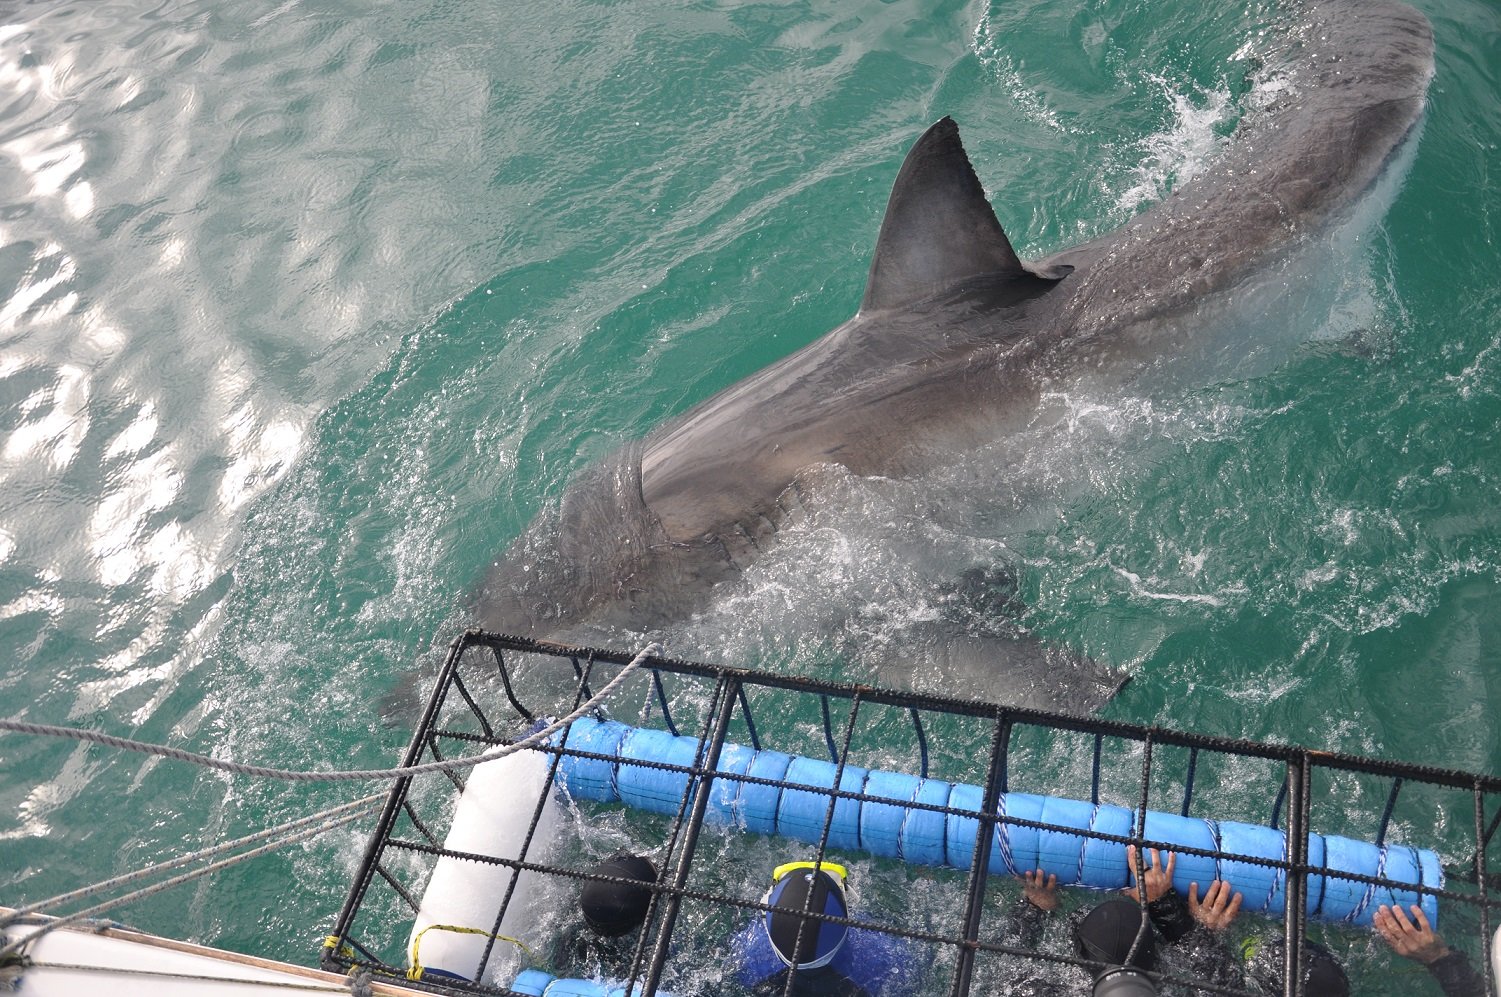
x=1041 y=889
x=1217 y=909
x=1404 y=926
x=1209 y=910
x=1388 y=929
x=1039 y=879
x=1226 y=906
x=1422 y=920
x=1394 y=926
x=1172 y=861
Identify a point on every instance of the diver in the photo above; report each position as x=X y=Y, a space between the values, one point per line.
x=1110 y=934
x=1113 y=934
x=1199 y=930
x=823 y=957
x=605 y=943
x=1195 y=928
x=595 y=957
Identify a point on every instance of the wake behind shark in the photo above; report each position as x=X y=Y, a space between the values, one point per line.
x=951 y=348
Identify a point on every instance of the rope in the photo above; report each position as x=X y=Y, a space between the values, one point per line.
x=1004 y=836
x=1386 y=816
x=828 y=731
x=656 y=681
x=351 y=775
x=922 y=740
x=750 y=721
x=15 y=948
x=364 y=805
x=1188 y=784
x=359 y=983
x=1094 y=778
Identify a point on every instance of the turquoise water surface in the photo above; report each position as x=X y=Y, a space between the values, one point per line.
x=307 y=308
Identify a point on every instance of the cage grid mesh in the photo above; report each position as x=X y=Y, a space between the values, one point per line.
x=492 y=688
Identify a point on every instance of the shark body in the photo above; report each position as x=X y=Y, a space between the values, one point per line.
x=953 y=341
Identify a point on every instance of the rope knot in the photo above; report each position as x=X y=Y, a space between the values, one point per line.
x=359 y=983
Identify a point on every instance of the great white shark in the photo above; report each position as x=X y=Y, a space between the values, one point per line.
x=951 y=346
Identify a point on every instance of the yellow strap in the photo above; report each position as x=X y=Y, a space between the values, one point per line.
x=834 y=867
x=414 y=972
x=332 y=942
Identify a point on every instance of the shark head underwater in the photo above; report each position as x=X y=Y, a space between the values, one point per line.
x=950 y=349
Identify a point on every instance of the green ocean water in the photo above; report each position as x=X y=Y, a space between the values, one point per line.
x=307 y=309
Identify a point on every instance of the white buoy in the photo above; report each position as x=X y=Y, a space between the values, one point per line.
x=1496 y=957
x=463 y=897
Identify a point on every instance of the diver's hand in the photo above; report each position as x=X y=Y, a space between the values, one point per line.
x=1219 y=908
x=1158 y=878
x=1041 y=890
x=1414 y=941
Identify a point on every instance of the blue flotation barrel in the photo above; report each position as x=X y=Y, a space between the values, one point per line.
x=898 y=830
x=535 y=983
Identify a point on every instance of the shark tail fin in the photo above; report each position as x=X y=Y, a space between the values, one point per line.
x=939 y=227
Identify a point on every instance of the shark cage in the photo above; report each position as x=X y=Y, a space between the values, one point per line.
x=929 y=809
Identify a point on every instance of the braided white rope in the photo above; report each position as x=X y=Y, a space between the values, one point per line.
x=350 y=775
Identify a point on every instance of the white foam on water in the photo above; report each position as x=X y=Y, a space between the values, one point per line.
x=1147 y=590
x=1173 y=156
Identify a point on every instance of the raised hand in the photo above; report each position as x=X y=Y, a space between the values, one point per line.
x=1219 y=908
x=1041 y=890
x=1157 y=877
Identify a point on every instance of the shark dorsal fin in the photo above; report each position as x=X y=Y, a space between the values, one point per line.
x=939 y=228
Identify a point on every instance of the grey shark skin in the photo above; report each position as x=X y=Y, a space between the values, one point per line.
x=953 y=341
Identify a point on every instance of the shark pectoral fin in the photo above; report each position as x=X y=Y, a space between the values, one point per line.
x=1026 y=671
x=1019 y=670
x=939 y=228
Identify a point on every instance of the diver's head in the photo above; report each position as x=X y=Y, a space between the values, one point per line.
x=1107 y=933
x=615 y=908
x=796 y=888
x=1323 y=976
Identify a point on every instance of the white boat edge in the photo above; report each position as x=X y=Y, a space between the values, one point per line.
x=75 y=960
